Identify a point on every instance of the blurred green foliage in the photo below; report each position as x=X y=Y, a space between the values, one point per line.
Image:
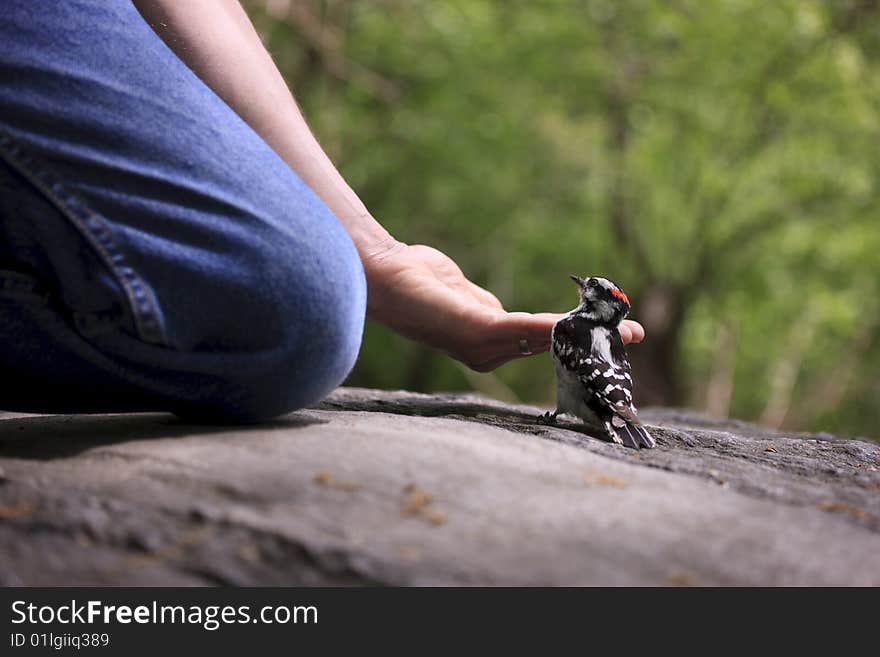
x=717 y=158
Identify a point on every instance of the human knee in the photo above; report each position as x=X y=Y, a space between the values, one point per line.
x=319 y=303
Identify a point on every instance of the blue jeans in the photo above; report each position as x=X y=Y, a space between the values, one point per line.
x=155 y=253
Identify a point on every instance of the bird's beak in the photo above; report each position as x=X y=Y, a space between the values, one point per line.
x=577 y=279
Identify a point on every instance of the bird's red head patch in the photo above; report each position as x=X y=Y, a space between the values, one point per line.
x=620 y=295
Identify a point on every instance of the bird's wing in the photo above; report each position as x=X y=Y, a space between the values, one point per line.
x=608 y=391
x=608 y=385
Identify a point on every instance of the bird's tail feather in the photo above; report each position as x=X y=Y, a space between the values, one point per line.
x=634 y=435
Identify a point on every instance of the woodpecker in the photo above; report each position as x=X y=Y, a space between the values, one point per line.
x=593 y=374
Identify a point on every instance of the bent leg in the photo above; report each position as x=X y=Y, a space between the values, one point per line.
x=178 y=262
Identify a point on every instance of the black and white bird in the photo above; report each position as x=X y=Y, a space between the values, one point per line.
x=593 y=374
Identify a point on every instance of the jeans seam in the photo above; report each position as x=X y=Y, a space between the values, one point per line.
x=97 y=234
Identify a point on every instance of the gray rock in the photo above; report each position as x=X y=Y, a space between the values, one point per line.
x=375 y=487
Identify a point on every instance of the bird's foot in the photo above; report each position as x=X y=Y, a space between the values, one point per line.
x=548 y=418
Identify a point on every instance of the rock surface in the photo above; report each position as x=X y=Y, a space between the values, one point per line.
x=396 y=488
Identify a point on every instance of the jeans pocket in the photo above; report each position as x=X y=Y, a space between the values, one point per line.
x=82 y=252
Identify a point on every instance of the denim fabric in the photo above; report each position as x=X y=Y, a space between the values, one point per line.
x=155 y=253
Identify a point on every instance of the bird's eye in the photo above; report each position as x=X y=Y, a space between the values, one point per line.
x=592 y=282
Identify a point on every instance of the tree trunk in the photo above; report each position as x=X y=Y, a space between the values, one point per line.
x=655 y=361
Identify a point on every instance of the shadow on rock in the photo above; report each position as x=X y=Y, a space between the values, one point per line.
x=47 y=437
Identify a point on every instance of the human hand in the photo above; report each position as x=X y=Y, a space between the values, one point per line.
x=422 y=294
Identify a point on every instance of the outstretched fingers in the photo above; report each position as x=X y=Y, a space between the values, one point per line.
x=534 y=329
x=516 y=335
x=631 y=331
